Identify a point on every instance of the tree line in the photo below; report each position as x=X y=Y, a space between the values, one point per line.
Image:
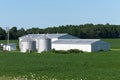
x=81 y=31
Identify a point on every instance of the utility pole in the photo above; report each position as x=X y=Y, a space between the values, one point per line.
x=7 y=34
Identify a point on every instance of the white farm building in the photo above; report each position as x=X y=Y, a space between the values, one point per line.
x=42 y=42
x=9 y=47
x=87 y=45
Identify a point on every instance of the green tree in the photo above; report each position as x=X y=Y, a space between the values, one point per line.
x=13 y=33
x=21 y=32
x=2 y=34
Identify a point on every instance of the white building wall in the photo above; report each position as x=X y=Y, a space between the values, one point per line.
x=6 y=48
x=54 y=39
x=86 y=48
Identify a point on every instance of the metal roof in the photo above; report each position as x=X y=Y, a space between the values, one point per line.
x=75 y=41
x=10 y=44
x=35 y=36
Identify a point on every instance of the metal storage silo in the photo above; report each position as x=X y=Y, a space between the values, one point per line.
x=44 y=44
x=27 y=44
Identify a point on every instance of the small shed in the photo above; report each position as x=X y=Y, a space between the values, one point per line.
x=9 y=47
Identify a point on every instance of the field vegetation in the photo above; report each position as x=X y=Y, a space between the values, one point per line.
x=11 y=41
x=115 y=43
x=51 y=66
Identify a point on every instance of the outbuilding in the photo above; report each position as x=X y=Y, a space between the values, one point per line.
x=64 y=41
x=9 y=47
x=35 y=37
x=87 y=45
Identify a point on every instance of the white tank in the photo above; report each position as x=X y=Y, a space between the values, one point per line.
x=27 y=44
x=44 y=44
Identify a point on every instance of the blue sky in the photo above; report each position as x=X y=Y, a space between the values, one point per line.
x=48 y=13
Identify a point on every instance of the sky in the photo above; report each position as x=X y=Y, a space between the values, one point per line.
x=49 y=13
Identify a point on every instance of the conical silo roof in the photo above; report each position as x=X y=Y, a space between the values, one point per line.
x=44 y=36
x=27 y=39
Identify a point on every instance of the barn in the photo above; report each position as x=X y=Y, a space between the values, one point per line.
x=53 y=37
x=87 y=45
x=60 y=42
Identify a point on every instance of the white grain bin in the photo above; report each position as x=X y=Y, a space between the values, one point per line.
x=44 y=44
x=27 y=44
